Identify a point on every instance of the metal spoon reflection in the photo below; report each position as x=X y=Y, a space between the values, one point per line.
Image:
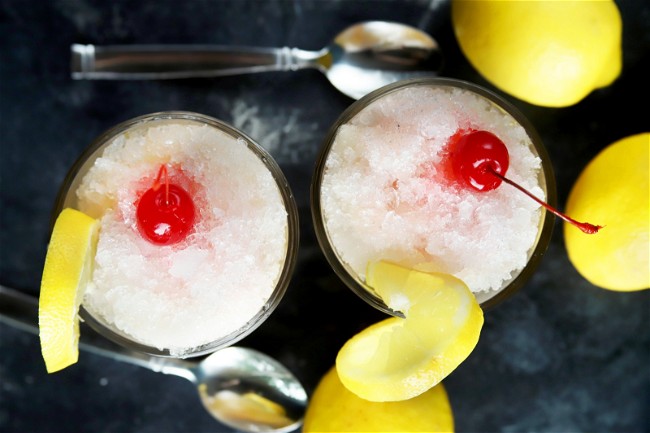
x=360 y=59
x=240 y=387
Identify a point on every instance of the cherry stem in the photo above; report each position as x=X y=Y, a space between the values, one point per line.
x=585 y=227
x=157 y=184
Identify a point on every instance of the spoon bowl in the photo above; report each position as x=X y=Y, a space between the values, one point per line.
x=244 y=389
x=360 y=59
x=372 y=54
x=249 y=389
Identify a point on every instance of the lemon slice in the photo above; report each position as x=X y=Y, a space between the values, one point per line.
x=398 y=359
x=66 y=273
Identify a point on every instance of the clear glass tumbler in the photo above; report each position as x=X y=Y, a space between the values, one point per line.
x=67 y=198
x=359 y=113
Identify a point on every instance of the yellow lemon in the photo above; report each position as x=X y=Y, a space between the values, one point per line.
x=548 y=53
x=398 y=359
x=66 y=273
x=612 y=191
x=332 y=408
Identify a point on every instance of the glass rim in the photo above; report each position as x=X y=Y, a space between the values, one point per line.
x=548 y=183
x=293 y=233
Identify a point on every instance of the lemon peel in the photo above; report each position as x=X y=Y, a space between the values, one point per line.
x=67 y=270
x=333 y=408
x=397 y=359
x=613 y=190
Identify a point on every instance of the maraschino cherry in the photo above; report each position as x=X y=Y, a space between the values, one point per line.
x=479 y=160
x=165 y=212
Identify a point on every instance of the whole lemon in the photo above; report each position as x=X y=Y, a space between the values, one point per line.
x=548 y=53
x=333 y=408
x=612 y=191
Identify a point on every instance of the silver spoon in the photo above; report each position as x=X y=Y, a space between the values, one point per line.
x=242 y=388
x=361 y=59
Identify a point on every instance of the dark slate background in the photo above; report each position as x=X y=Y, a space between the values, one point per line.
x=559 y=356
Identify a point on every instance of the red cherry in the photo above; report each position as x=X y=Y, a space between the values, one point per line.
x=479 y=160
x=473 y=153
x=165 y=212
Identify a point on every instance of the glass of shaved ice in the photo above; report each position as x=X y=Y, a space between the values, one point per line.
x=385 y=187
x=190 y=281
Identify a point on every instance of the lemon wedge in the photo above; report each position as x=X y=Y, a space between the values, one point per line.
x=67 y=270
x=397 y=359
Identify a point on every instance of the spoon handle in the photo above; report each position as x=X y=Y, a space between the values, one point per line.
x=149 y=62
x=20 y=311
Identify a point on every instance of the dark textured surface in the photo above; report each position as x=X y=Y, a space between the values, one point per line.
x=559 y=356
